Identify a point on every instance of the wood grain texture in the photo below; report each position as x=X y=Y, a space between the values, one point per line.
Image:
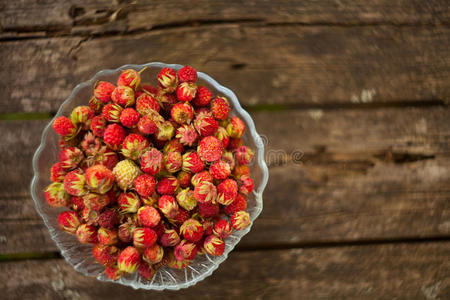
x=66 y=17
x=310 y=66
x=403 y=271
x=385 y=178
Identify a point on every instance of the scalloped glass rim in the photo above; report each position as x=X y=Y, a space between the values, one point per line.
x=208 y=263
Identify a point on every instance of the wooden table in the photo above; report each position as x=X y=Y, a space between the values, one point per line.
x=353 y=94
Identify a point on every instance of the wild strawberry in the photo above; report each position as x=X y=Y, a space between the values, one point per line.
x=246 y=184
x=90 y=216
x=152 y=161
x=182 y=113
x=220 y=108
x=95 y=104
x=123 y=95
x=128 y=203
x=241 y=170
x=103 y=91
x=134 y=145
x=149 y=89
x=173 y=145
x=205 y=124
x=103 y=156
x=69 y=221
x=148 y=216
x=208 y=209
x=243 y=155
x=222 y=135
x=113 y=273
x=168 y=206
x=125 y=232
x=236 y=127
x=107 y=236
x=227 y=191
x=240 y=220
x=180 y=217
x=167 y=79
x=222 y=229
x=187 y=135
x=145 y=104
x=165 y=131
x=129 y=260
x=170 y=238
x=111 y=112
x=214 y=245
x=144 y=237
x=74 y=183
x=228 y=157
x=167 y=99
x=173 y=161
x=64 y=127
x=125 y=173
x=202 y=176
x=57 y=172
x=202 y=97
x=172 y=262
x=105 y=255
x=233 y=144
x=220 y=170
x=146 y=270
x=87 y=234
x=95 y=201
x=108 y=219
x=192 y=162
x=82 y=116
x=129 y=117
x=70 y=158
x=205 y=192
x=184 y=178
x=192 y=230
x=187 y=74
x=153 y=254
x=146 y=126
x=167 y=185
x=144 y=185
x=186 y=91
x=208 y=226
x=185 y=251
x=130 y=78
x=186 y=199
x=210 y=149
x=77 y=203
x=98 y=125
x=99 y=179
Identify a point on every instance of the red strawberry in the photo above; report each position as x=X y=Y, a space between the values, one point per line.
x=111 y=112
x=103 y=91
x=148 y=216
x=187 y=74
x=220 y=170
x=214 y=245
x=147 y=126
x=129 y=117
x=167 y=185
x=145 y=103
x=130 y=78
x=123 y=95
x=57 y=172
x=192 y=230
x=192 y=162
x=64 y=127
x=152 y=161
x=186 y=91
x=187 y=135
x=70 y=158
x=208 y=209
x=98 y=125
x=205 y=124
x=168 y=206
x=114 y=136
x=182 y=113
x=129 y=260
x=69 y=221
x=227 y=191
x=210 y=149
x=144 y=185
x=220 y=108
x=240 y=220
x=222 y=229
x=202 y=97
x=240 y=203
x=167 y=79
x=134 y=145
x=185 y=251
x=202 y=176
x=87 y=234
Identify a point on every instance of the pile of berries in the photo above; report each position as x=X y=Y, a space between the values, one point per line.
x=152 y=176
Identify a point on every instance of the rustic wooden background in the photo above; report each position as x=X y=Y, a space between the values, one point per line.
x=361 y=88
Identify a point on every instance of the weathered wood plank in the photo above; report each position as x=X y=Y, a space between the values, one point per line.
x=365 y=174
x=402 y=271
x=68 y=16
x=263 y=65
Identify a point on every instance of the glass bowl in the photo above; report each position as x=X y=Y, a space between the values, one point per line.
x=79 y=255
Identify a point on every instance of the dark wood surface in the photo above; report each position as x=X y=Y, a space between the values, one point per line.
x=351 y=96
